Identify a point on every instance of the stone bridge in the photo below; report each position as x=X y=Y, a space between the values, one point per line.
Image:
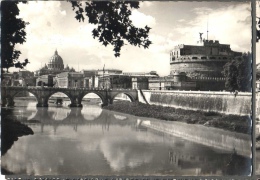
x=42 y=94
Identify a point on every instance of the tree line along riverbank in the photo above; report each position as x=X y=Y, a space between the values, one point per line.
x=241 y=124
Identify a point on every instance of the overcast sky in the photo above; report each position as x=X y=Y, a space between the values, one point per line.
x=52 y=25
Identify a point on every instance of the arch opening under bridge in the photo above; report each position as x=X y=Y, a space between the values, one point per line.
x=15 y=98
x=122 y=96
x=59 y=98
x=93 y=98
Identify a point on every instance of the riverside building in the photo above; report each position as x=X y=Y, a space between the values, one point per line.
x=203 y=65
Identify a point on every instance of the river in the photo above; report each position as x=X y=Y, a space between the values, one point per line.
x=93 y=141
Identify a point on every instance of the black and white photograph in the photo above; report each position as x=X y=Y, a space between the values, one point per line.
x=128 y=88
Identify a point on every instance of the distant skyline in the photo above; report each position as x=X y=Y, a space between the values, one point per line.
x=53 y=26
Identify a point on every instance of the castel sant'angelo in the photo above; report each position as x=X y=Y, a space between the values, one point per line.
x=202 y=64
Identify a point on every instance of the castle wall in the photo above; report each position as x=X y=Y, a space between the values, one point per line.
x=207 y=68
x=210 y=85
x=204 y=63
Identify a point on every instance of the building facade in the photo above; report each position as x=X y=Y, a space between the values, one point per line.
x=20 y=78
x=27 y=78
x=207 y=60
x=177 y=81
x=203 y=65
x=114 y=81
x=140 y=83
x=45 y=80
x=100 y=72
x=70 y=80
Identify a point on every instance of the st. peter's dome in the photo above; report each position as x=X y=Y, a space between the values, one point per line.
x=56 y=62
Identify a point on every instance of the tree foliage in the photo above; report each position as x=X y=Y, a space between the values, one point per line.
x=12 y=33
x=238 y=73
x=113 y=23
x=112 y=19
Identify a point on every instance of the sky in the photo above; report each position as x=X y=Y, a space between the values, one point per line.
x=53 y=26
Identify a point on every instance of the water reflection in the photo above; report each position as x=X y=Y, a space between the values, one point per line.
x=26 y=110
x=91 y=112
x=11 y=130
x=58 y=114
x=108 y=143
x=65 y=114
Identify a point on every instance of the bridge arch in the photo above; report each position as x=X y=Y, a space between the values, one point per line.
x=10 y=97
x=100 y=95
x=129 y=95
x=65 y=93
x=34 y=94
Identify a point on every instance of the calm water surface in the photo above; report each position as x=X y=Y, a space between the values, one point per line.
x=92 y=141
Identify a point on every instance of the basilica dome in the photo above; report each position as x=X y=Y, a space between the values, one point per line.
x=56 y=62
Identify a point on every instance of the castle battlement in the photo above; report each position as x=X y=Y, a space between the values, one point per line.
x=200 y=57
x=207 y=59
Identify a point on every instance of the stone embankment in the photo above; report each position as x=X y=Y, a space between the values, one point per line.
x=238 y=103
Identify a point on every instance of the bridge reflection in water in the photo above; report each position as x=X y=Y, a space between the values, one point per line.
x=93 y=141
x=89 y=114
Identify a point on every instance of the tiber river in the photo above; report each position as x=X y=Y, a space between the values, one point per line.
x=92 y=141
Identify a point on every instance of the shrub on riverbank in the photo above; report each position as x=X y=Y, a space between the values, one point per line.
x=228 y=122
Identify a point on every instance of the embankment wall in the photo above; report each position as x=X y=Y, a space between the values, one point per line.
x=222 y=102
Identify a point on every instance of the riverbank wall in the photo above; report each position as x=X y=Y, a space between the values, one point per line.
x=222 y=102
x=213 y=137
